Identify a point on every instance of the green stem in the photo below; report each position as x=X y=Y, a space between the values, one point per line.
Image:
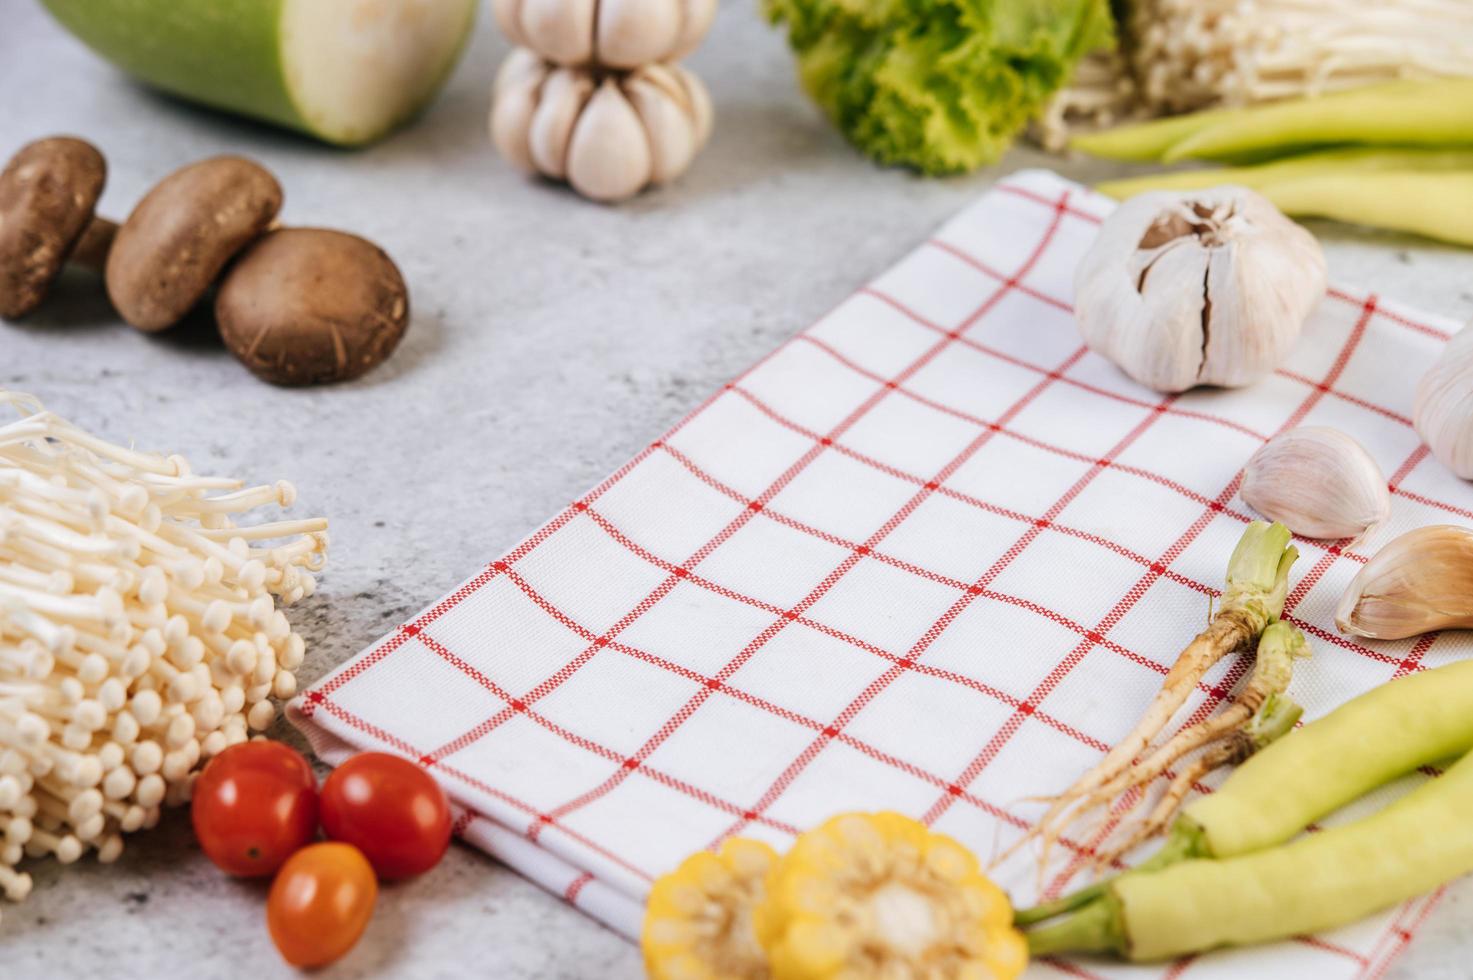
x=1095 y=928
x=1184 y=842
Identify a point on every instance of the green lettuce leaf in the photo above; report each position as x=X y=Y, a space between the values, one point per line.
x=939 y=85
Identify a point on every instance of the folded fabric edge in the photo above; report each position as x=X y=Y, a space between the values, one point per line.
x=618 y=911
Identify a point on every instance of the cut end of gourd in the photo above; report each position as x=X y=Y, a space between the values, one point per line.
x=357 y=68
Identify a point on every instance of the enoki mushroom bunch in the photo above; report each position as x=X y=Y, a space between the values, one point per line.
x=139 y=632
x=1183 y=55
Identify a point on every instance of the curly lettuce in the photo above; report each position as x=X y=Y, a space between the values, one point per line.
x=942 y=86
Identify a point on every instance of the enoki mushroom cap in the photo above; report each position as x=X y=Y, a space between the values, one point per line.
x=48 y=192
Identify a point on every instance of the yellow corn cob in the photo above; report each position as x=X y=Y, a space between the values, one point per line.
x=698 y=924
x=878 y=895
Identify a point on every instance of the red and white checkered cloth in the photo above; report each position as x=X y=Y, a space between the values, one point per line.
x=930 y=555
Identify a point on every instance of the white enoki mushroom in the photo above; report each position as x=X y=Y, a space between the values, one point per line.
x=139 y=633
x=1192 y=54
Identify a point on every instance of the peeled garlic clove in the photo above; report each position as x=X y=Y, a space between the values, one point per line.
x=1444 y=406
x=560 y=30
x=1208 y=287
x=696 y=18
x=660 y=101
x=518 y=88
x=564 y=94
x=702 y=114
x=1422 y=581
x=609 y=157
x=1319 y=483
x=509 y=18
x=636 y=32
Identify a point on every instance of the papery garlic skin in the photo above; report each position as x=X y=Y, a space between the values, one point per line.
x=1444 y=408
x=1421 y=582
x=610 y=135
x=606 y=33
x=1319 y=483
x=1208 y=287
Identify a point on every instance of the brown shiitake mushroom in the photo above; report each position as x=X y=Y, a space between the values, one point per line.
x=306 y=306
x=48 y=192
x=174 y=244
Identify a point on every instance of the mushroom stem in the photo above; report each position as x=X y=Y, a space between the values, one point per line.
x=91 y=249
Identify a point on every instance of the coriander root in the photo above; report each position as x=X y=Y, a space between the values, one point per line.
x=1257 y=584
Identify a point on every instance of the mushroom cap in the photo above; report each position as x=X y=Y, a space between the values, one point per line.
x=47 y=194
x=306 y=306
x=179 y=237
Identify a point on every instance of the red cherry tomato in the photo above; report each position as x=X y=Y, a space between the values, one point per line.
x=320 y=903
x=254 y=805
x=391 y=810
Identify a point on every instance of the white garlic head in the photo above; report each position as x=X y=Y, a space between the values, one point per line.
x=1319 y=483
x=1207 y=287
x=1444 y=406
x=609 y=134
x=606 y=33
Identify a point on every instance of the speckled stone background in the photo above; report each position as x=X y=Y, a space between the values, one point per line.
x=551 y=338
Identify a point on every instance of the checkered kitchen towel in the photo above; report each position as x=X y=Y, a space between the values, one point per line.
x=930 y=555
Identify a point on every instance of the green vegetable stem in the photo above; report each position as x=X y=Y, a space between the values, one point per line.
x=939 y=85
x=1319 y=882
x=1386 y=733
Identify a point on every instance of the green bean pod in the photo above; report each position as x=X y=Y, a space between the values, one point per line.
x=1320 y=882
x=1387 y=732
x=1391 y=730
x=1430 y=113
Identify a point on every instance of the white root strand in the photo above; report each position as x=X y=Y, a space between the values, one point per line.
x=140 y=632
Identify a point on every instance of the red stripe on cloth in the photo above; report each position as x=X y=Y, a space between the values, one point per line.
x=1403 y=935
x=405 y=748
x=851 y=560
x=570 y=894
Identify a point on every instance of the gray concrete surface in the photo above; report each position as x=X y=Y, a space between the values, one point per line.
x=551 y=338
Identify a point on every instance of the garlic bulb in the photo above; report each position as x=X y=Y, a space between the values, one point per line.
x=1422 y=581
x=608 y=134
x=1444 y=406
x=1318 y=482
x=606 y=33
x=1207 y=287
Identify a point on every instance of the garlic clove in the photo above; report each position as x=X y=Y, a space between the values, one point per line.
x=1318 y=482
x=508 y=15
x=609 y=156
x=700 y=103
x=1205 y=287
x=661 y=102
x=1145 y=339
x=1268 y=291
x=564 y=95
x=696 y=19
x=1421 y=582
x=1443 y=411
x=518 y=85
x=560 y=30
x=631 y=33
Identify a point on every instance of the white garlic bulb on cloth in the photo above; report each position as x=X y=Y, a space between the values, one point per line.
x=606 y=33
x=1444 y=406
x=609 y=134
x=139 y=632
x=1208 y=287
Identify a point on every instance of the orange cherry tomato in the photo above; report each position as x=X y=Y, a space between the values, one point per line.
x=253 y=806
x=391 y=810
x=320 y=903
